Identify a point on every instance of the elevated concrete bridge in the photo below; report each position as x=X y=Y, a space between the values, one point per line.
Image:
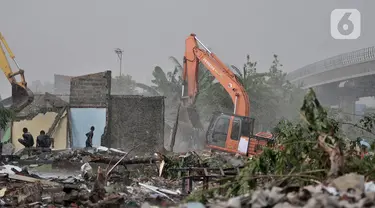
x=340 y=80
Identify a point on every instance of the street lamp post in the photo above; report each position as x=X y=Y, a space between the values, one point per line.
x=119 y=52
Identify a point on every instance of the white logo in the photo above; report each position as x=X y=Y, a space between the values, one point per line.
x=345 y=24
x=210 y=65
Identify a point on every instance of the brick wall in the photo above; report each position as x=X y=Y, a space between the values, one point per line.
x=136 y=120
x=90 y=90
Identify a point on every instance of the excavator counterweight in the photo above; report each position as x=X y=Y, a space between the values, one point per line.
x=21 y=95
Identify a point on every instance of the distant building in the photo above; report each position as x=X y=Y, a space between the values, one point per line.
x=360 y=109
x=62 y=87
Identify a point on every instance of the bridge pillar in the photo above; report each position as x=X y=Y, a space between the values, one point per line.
x=347 y=105
x=327 y=95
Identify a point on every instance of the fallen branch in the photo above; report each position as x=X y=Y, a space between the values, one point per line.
x=335 y=155
x=303 y=176
x=129 y=161
x=110 y=170
x=358 y=126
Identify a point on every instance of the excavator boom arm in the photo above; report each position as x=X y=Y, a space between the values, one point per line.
x=5 y=66
x=194 y=55
x=21 y=95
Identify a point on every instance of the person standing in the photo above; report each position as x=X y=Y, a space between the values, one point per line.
x=89 y=136
x=28 y=139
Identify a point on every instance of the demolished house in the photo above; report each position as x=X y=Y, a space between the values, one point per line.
x=89 y=95
x=119 y=120
x=47 y=112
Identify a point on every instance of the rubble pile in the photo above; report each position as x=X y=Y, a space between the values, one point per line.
x=347 y=191
x=112 y=187
x=105 y=178
x=311 y=164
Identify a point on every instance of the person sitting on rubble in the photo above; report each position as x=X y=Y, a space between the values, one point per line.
x=89 y=136
x=43 y=140
x=28 y=139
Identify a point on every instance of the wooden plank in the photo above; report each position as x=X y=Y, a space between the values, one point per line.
x=32 y=180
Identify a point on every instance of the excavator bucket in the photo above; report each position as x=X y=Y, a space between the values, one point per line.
x=186 y=130
x=190 y=116
x=21 y=97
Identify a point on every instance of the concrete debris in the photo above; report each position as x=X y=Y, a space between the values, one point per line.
x=86 y=171
x=8 y=149
x=100 y=179
x=106 y=177
x=349 y=181
x=106 y=149
x=8 y=169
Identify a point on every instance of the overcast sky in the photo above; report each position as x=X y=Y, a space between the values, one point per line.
x=78 y=37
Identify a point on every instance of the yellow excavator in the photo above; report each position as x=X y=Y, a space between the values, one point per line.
x=21 y=95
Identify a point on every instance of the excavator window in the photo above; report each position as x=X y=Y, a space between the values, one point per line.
x=220 y=132
x=247 y=126
x=235 y=135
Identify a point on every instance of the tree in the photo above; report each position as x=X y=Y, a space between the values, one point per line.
x=288 y=97
x=170 y=85
x=261 y=95
x=123 y=85
x=272 y=97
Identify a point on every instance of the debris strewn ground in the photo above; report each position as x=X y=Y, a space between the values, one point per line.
x=104 y=178
x=311 y=165
x=98 y=177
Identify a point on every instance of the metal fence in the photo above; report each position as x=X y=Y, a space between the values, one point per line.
x=339 y=61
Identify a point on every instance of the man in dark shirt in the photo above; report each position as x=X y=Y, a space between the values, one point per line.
x=43 y=140
x=28 y=139
x=89 y=136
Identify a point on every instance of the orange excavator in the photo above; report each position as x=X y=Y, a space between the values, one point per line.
x=226 y=132
x=21 y=95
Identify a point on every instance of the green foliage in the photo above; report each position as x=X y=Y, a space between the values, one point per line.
x=316 y=116
x=302 y=158
x=272 y=97
x=168 y=84
x=5 y=116
x=368 y=122
x=263 y=101
x=189 y=160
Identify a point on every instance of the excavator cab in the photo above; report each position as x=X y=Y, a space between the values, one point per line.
x=233 y=133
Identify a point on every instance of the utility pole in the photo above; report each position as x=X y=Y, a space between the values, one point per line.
x=119 y=52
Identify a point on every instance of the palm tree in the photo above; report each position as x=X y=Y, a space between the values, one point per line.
x=270 y=93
